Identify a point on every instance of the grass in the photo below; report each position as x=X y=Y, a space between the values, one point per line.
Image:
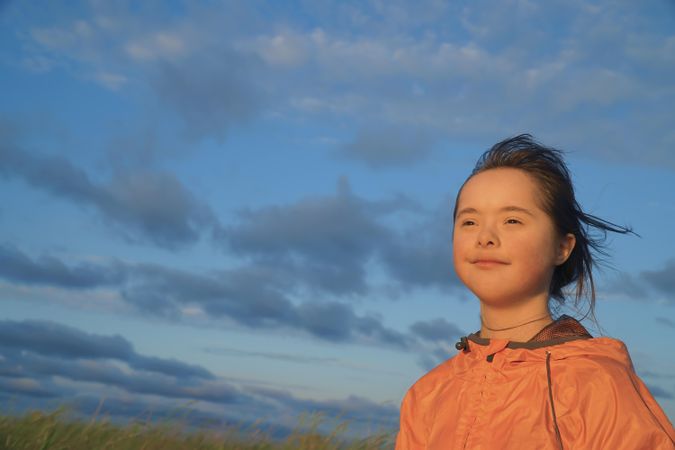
x=56 y=431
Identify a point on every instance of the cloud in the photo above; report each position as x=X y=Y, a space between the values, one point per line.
x=439 y=337
x=43 y=350
x=25 y=387
x=157 y=45
x=337 y=322
x=52 y=339
x=32 y=368
x=352 y=408
x=662 y=280
x=388 y=147
x=300 y=359
x=212 y=90
x=468 y=76
x=254 y=301
x=152 y=206
x=666 y=322
x=47 y=270
x=249 y=296
x=646 y=284
x=328 y=238
x=659 y=392
x=326 y=243
x=436 y=330
x=421 y=256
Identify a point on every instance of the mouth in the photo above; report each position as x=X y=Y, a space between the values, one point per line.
x=486 y=262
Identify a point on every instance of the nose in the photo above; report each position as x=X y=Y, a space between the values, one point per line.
x=486 y=237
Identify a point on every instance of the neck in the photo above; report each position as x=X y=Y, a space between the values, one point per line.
x=517 y=322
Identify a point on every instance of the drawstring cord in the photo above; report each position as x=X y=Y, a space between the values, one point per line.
x=463 y=344
x=550 y=398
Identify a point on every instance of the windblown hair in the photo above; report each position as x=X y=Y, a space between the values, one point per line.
x=547 y=167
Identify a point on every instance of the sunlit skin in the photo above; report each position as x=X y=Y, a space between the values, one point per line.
x=505 y=249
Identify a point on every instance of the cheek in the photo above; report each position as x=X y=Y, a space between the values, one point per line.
x=458 y=248
x=538 y=255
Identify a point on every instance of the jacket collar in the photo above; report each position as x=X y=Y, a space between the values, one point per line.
x=563 y=329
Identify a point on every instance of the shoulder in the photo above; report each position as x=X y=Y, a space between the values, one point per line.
x=592 y=365
x=431 y=380
x=422 y=394
x=595 y=352
x=593 y=383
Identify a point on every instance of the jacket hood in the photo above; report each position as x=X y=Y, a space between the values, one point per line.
x=562 y=339
x=561 y=389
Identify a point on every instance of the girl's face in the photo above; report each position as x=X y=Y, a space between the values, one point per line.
x=505 y=246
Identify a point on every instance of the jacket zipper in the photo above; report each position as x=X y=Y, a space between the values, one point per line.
x=550 y=398
x=475 y=417
x=489 y=359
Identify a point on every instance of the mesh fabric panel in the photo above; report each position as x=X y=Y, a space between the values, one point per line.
x=565 y=326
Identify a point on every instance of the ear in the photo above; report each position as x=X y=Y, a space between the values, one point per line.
x=565 y=248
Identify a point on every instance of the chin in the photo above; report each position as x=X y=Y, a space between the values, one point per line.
x=494 y=300
x=500 y=297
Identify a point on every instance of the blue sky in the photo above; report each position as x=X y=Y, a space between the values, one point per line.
x=248 y=204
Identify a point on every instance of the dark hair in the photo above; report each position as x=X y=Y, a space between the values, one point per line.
x=547 y=166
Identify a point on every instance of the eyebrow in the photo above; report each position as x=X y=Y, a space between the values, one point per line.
x=510 y=208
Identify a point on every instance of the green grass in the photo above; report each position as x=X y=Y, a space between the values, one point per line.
x=56 y=431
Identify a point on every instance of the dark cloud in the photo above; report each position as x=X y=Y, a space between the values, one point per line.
x=435 y=355
x=51 y=173
x=436 y=330
x=212 y=90
x=352 y=408
x=27 y=387
x=301 y=359
x=326 y=242
x=298 y=359
x=250 y=296
x=133 y=381
x=662 y=280
x=659 y=392
x=168 y=366
x=331 y=238
x=29 y=369
x=18 y=267
x=422 y=255
x=253 y=302
x=52 y=339
x=150 y=206
x=388 y=147
x=646 y=285
x=39 y=371
x=628 y=285
x=337 y=322
x=139 y=409
x=666 y=322
x=44 y=350
x=656 y=375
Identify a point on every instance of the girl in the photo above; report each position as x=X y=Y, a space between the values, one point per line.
x=526 y=381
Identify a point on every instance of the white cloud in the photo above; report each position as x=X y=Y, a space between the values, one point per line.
x=285 y=49
x=159 y=45
x=112 y=81
x=457 y=71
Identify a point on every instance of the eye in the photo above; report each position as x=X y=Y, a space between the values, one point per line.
x=467 y=223
x=513 y=221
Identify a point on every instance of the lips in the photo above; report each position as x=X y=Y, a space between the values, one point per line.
x=488 y=262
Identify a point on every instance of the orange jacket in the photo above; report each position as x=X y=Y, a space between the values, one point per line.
x=569 y=393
